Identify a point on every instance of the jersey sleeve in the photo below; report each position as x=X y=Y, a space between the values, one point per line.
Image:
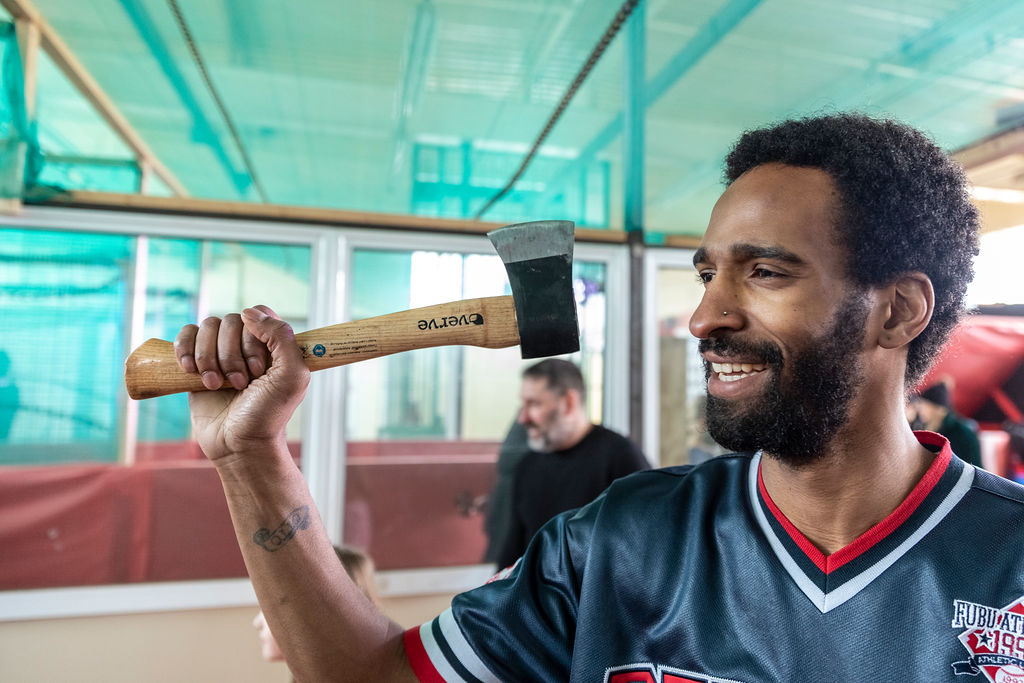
x=521 y=624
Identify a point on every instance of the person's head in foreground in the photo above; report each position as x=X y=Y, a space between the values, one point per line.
x=839 y=240
x=358 y=566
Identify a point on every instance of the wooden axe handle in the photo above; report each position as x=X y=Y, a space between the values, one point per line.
x=153 y=370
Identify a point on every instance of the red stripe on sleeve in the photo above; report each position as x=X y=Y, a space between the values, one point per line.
x=419 y=659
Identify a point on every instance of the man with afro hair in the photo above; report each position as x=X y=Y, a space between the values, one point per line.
x=835 y=544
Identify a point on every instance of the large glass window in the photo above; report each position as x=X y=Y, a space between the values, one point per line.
x=96 y=488
x=100 y=490
x=64 y=304
x=423 y=427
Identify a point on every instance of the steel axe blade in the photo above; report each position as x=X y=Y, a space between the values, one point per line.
x=538 y=259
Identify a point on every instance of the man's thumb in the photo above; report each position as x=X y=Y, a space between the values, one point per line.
x=272 y=331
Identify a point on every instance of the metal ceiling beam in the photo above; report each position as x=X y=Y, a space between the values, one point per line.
x=634 y=72
x=707 y=37
x=247 y=39
x=64 y=58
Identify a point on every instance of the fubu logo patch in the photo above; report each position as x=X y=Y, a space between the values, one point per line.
x=994 y=637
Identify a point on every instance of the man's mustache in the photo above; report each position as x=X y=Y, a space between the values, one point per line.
x=731 y=347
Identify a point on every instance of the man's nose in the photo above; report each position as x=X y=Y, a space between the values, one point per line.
x=716 y=312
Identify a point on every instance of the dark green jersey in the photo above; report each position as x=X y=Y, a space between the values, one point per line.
x=693 y=574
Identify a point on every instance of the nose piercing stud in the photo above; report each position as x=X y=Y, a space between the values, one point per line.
x=725 y=312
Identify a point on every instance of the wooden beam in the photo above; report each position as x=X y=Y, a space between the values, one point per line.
x=682 y=241
x=145 y=177
x=997 y=215
x=296 y=214
x=28 y=45
x=997 y=162
x=990 y=149
x=24 y=11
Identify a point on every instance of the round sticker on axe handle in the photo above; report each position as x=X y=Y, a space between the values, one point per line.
x=538 y=259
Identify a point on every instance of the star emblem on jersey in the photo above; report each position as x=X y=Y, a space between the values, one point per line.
x=994 y=637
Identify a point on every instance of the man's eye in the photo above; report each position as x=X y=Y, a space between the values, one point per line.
x=705 y=277
x=766 y=273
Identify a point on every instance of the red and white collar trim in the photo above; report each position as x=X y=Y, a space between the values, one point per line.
x=869 y=539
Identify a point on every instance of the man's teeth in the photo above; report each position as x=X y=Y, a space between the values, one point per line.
x=731 y=372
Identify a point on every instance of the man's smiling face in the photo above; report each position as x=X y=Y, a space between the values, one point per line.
x=780 y=325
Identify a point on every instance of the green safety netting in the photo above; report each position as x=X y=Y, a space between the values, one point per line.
x=36 y=165
x=427 y=107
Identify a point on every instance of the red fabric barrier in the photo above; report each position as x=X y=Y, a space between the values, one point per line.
x=190 y=532
x=418 y=511
x=980 y=355
x=167 y=520
x=75 y=525
x=70 y=525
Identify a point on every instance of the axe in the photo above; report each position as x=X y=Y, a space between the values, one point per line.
x=539 y=316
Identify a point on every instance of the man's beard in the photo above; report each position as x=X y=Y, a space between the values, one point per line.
x=539 y=443
x=548 y=432
x=796 y=416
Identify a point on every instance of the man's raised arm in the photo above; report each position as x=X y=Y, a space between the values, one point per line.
x=326 y=627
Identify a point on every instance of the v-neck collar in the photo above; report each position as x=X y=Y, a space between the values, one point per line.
x=829 y=581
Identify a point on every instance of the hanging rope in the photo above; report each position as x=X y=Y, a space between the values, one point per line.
x=595 y=54
x=179 y=17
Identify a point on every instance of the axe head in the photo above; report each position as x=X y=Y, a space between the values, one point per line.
x=538 y=259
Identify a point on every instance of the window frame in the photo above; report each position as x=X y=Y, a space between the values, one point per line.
x=75 y=601
x=331 y=248
x=655 y=260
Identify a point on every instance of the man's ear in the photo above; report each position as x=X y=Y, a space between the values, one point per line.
x=572 y=399
x=908 y=303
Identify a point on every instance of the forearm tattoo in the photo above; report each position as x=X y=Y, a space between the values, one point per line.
x=297 y=520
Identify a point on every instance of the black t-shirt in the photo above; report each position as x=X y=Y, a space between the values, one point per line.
x=549 y=483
